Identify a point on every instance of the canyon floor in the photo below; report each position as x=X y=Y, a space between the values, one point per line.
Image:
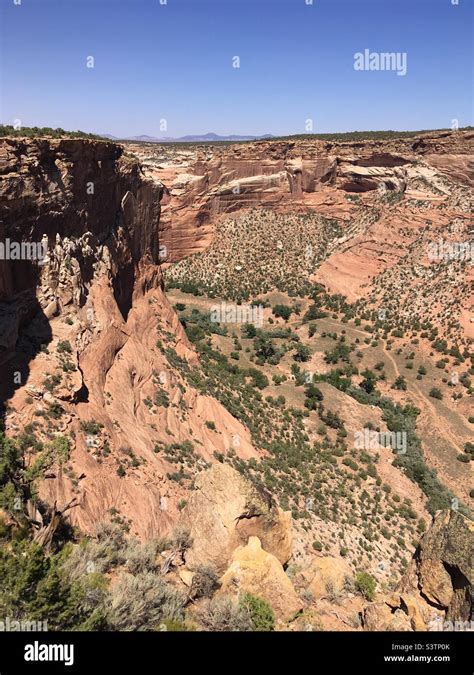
x=239 y=386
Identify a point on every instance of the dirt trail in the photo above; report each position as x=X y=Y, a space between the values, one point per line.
x=427 y=406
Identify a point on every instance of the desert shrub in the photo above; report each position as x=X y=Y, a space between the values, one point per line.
x=142 y=601
x=261 y=614
x=400 y=383
x=340 y=353
x=64 y=347
x=348 y=461
x=266 y=350
x=332 y=592
x=100 y=554
x=302 y=353
x=249 y=330
x=313 y=396
x=332 y=419
x=91 y=427
x=366 y=585
x=50 y=383
x=469 y=448
x=162 y=399
x=259 y=379
x=205 y=582
x=141 y=557
x=181 y=539
x=283 y=311
x=436 y=393
x=223 y=615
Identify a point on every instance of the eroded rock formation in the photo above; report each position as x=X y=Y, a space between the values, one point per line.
x=226 y=509
x=436 y=589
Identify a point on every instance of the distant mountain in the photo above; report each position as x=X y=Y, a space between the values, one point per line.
x=144 y=139
x=203 y=138
x=216 y=137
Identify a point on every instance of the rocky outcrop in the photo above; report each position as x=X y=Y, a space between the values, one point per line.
x=380 y=617
x=326 y=576
x=437 y=586
x=89 y=206
x=442 y=569
x=226 y=509
x=254 y=570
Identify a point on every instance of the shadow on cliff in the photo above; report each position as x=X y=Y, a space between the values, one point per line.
x=24 y=332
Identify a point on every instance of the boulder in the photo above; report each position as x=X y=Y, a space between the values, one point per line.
x=224 y=511
x=254 y=570
x=441 y=571
x=379 y=617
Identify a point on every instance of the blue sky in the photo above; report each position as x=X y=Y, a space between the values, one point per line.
x=174 y=62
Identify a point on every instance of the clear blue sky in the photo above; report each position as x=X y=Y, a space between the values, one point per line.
x=174 y=61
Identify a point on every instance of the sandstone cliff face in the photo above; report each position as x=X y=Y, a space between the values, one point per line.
x=206 y=183
x=85 y=336
x=90 y=206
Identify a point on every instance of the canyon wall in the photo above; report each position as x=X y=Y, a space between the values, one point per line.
x=84 y=335
x=204 y=183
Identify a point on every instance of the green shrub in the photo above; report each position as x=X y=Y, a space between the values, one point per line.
x=64 y=347
x=260 y=613
x=91 y=427
x=302 y=353
x=366 y=584
x=283 y=311
x=400 y=383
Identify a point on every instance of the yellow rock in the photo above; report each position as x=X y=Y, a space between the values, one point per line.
x=256 y=571
x=186 y=577
x=225 y=510
x=325 y=576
